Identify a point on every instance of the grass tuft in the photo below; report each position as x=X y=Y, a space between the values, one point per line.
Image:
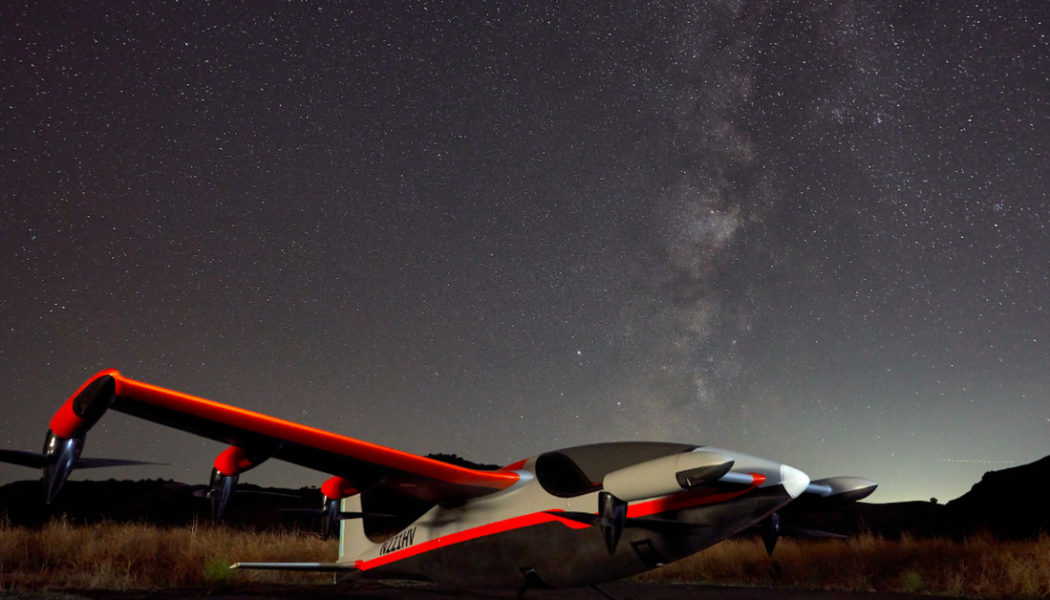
x=977 y=567
x=135 y=556
x=63 y=556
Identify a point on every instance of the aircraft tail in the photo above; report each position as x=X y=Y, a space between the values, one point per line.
x=352 y=539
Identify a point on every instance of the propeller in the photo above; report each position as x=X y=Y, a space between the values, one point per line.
x=612 y=516
x=62 y=448
x=220 y=489
x=206 y=494
x=35 y=460
x=331 y=515
x=59 y=456
x=330 y=518
x=770 y=532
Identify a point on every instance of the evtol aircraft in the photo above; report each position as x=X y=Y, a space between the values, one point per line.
x=572 y=517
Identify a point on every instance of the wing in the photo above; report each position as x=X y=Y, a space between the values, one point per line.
x=255 y=437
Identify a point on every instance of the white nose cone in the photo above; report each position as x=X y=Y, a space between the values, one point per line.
x=793 y=480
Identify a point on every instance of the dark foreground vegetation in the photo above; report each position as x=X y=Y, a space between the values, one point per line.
x=113 y=556
x=979 y=567
x=993 y=542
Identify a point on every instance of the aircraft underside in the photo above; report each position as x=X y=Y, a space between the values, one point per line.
x=552 y=554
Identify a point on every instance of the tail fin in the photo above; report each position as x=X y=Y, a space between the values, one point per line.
x=352 y=539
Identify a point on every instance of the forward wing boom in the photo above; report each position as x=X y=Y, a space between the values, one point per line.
x=255 y=437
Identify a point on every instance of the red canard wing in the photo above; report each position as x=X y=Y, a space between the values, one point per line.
x=255 y=437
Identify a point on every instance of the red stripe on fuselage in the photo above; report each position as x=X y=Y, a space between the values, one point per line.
x=678 y=501
x=470 y=534
x=689 y=499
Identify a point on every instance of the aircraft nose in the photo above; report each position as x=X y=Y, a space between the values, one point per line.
x=793 y=480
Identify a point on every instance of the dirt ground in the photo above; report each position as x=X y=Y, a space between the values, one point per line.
x=384 y=591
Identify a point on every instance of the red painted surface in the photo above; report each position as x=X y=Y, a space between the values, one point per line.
x=515 y=466
x=233 y=461
x=338 y=488
x=65 y=422
x=690 y=499
x=677 y=501
x=470 y=534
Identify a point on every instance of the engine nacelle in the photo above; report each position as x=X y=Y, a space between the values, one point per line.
x=843 y=488
x=666 y=475
x=59 y=456
x=236 y=460
x=228 y=466
x=333 y=491
x=65 y=437
x=84 y=408
x=220 y=490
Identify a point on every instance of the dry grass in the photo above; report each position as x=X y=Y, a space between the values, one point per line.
x=128 y=556
x=61 y=556
x=978 y=567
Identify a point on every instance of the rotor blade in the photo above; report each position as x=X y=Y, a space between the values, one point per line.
x=33 y=460
x=92 y=463
x=317 y=512
x=251 y=492
x=770 y=532
x=206 y=493
x=798 y=532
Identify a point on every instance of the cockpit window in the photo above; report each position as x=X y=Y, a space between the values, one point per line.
x=580 y=470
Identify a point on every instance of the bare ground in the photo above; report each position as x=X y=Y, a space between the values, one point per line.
x=388 y=591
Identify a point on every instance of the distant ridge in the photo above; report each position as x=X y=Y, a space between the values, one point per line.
x=1010 y=503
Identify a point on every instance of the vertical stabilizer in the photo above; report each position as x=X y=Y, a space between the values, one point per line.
x=352 y=539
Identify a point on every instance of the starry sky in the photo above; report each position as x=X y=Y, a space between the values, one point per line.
x=812 y=231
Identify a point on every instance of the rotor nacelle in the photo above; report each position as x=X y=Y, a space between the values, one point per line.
x=666 y=475
x=842 y=489
x=228 y=466
x=69 y=426
x=333 y=491
x=59 y=456
x=657 y=477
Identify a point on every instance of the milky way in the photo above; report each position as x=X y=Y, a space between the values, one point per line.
x=815 y=232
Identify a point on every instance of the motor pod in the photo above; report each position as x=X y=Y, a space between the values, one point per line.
x=612 y=517
x=842 y=489
x=332 y=493
x=85 y=408
x=59 y=456
x=228 y=466
x=65 y=438
x=667 y=475
x=329 y=516
x=220 y=489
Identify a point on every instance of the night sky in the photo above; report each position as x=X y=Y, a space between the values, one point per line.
x=816 y=232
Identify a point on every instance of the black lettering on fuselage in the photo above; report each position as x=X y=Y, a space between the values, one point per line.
x=398 y=542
